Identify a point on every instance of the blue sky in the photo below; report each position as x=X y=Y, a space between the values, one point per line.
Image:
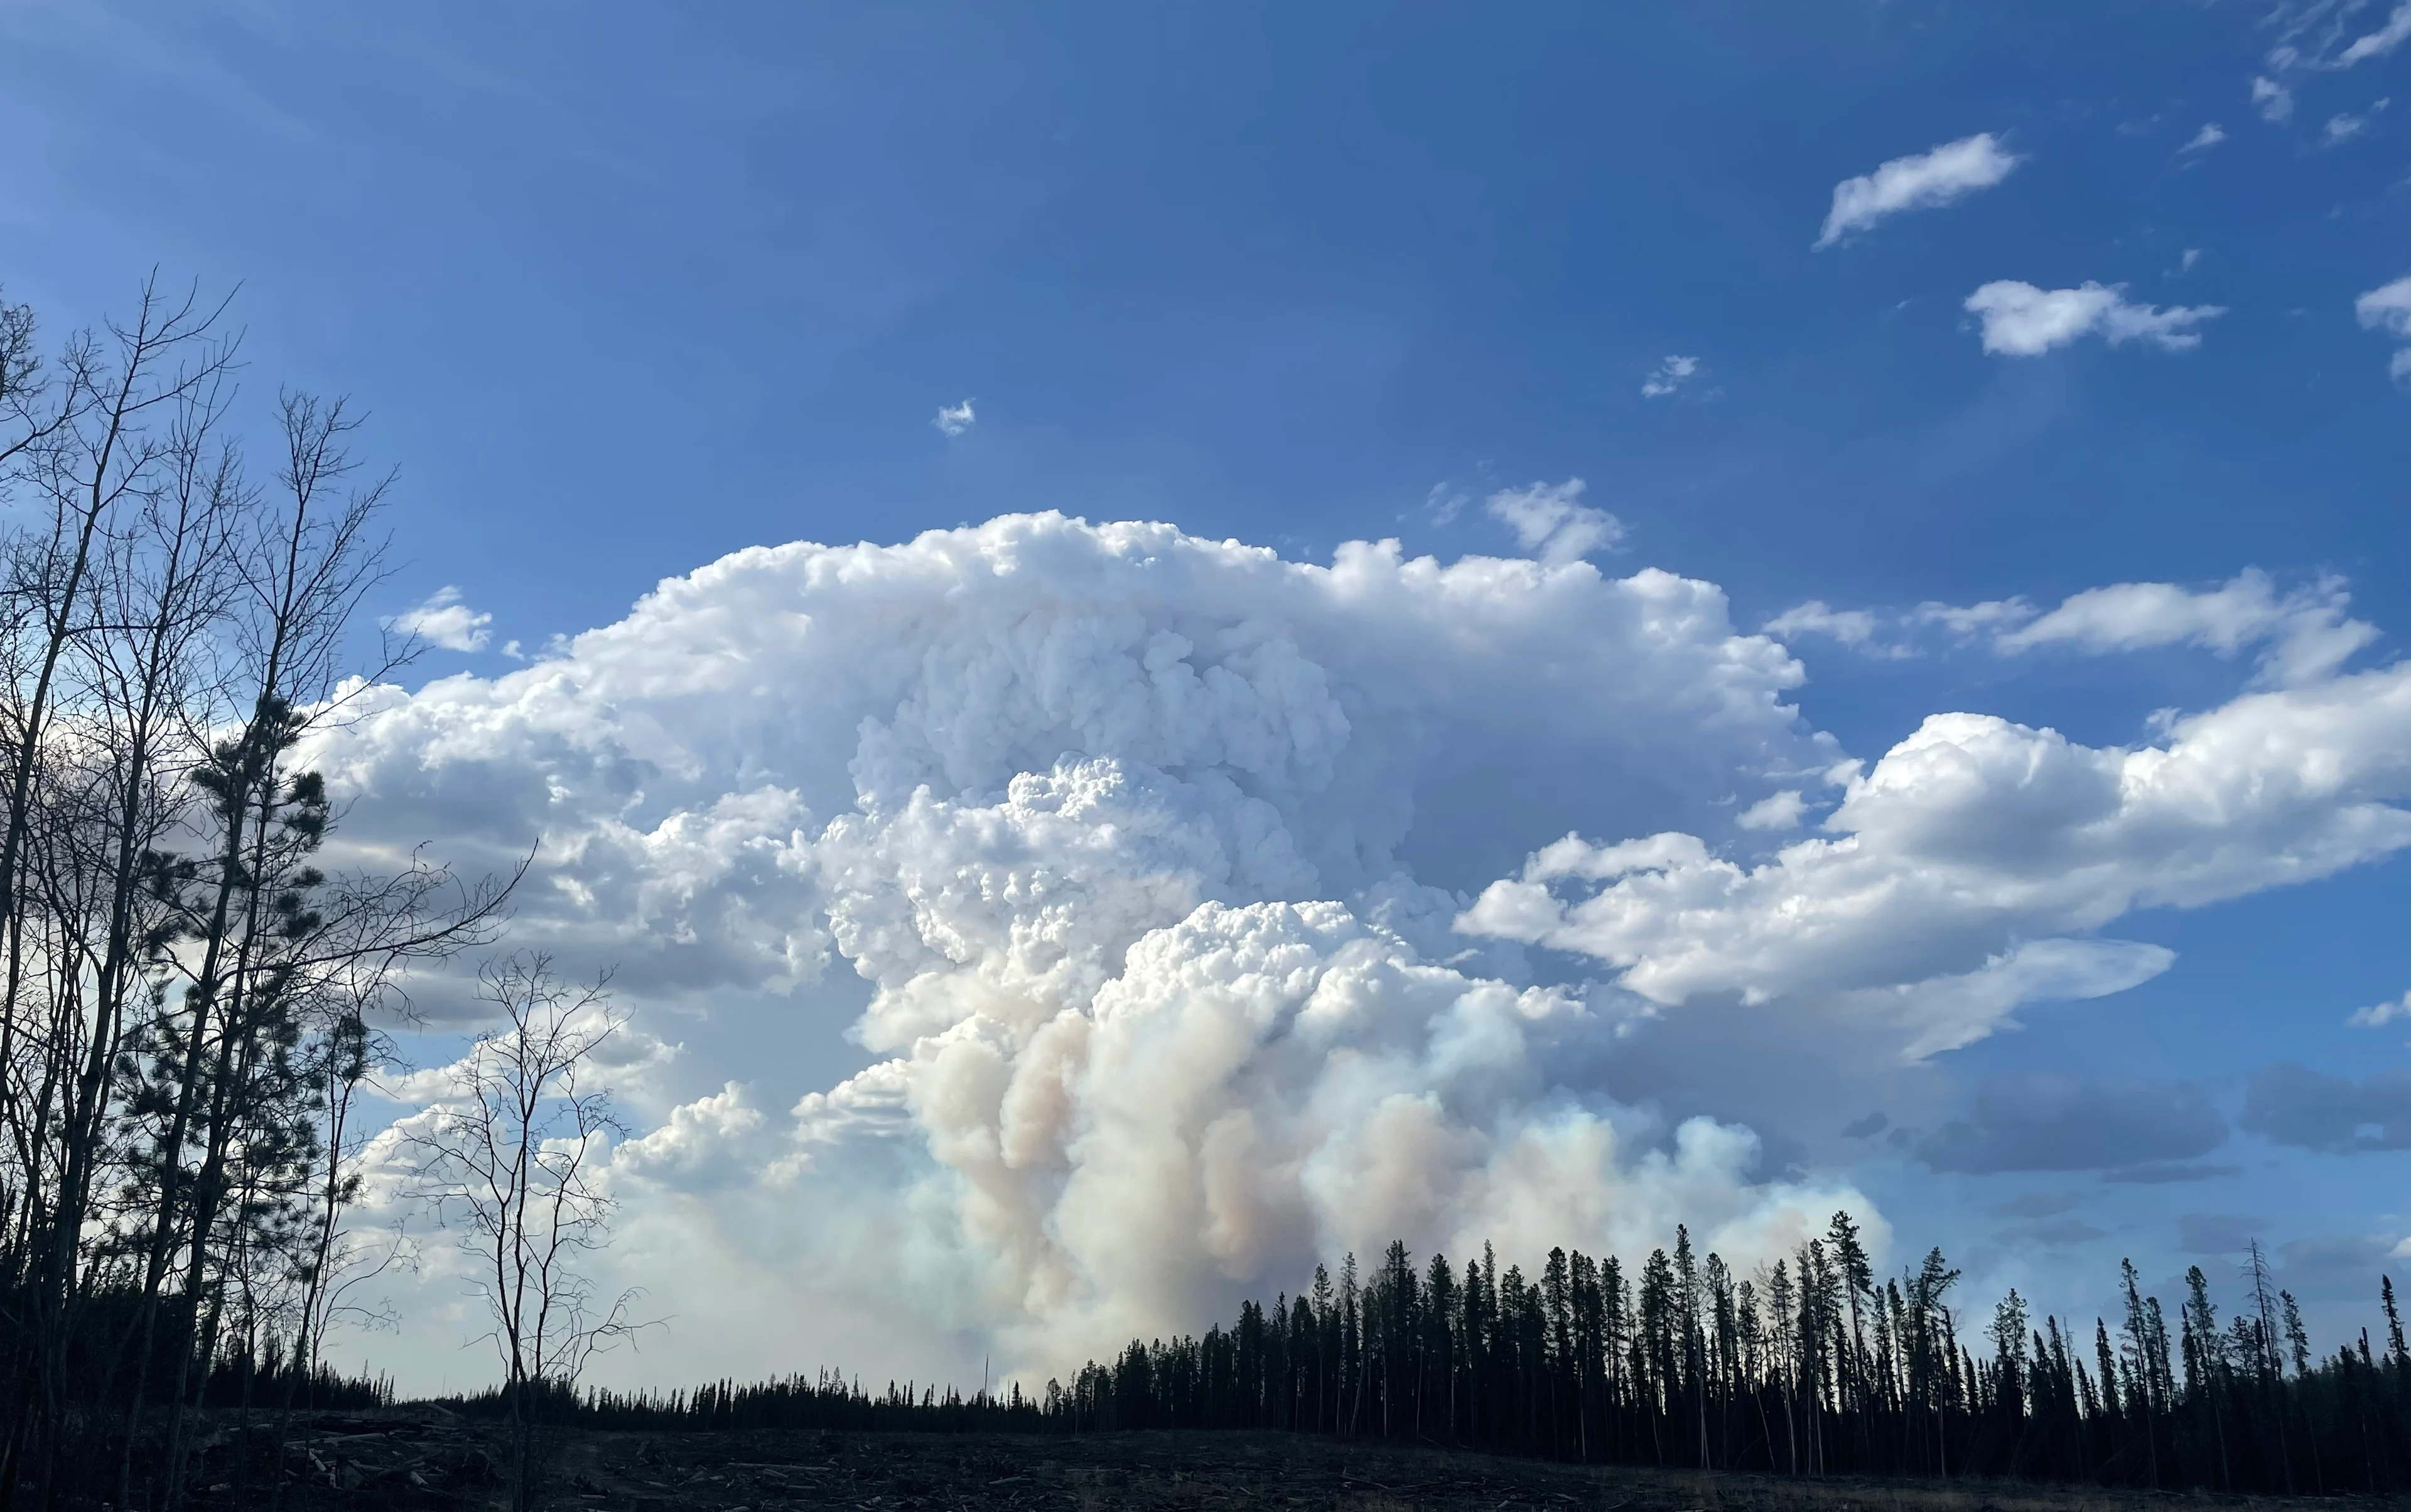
x=626 y=289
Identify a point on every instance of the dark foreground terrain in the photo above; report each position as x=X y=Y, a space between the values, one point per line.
x=418 y=1457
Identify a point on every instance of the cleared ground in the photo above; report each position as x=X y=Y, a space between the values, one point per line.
x=407 y=1460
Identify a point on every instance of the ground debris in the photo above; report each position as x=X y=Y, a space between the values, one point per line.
x=406 y=1458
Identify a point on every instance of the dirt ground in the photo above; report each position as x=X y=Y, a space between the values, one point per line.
x=404 y=1462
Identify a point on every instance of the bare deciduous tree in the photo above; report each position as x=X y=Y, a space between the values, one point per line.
x=184 y=992
x=509 y=1159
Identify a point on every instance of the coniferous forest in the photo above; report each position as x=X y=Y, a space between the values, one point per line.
x=1815 y=1366
x=186 y=993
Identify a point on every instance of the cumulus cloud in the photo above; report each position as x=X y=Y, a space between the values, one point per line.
x=1922 y=181
x=1098 y=829
x=2210 y=135
x=1669 y=376
x=1135 y=864
x=2388 y=308
x=1964 y=868
x=1777 y=810
x=2273 y=100
x=442 y=619
x=2021 y=320
x=2056 y=1122
x=2293 y=1105
x=954 y=420
x=1551 y=521
x=2378 y=43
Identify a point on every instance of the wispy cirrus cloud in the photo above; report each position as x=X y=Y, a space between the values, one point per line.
x=1922 y=181
x=2388 y=308
x=2385 y=40
x=2298 y=634
x=1551 y=521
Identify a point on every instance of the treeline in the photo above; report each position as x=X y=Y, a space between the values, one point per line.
x=1814 y=1365
x=186 y=995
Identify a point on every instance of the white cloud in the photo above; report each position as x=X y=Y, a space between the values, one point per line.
x=2378 y=43
x=1094 y=834
x=2210 y=135
x=2382 y=1013
x=2273 y=100
x=2192 y=256
x=2301 y=635
x=1777 y=810
x=2305 y=634
x=2387 y=308
x=1669 y=376
x=1102 y=822
x=2343 y=128
x=1919 y=182
x=1551 y=521
x=954 y=420
x=442 y=619
x=1964 y=622
x=1851 y=627
x=2021 y=320
x=1976 y=842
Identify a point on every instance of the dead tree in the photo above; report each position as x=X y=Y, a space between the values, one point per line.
x=507 y=1159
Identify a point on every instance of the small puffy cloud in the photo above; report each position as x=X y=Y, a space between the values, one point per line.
x=2382 y=1013
x=1866 y=1128
x=1551 y=521
x=2344 y=128
x=2218 y=1233
x=954 y=420
x=1669 y=376
x=442 y=619
x=2293 y=1104
x=1777 y=810
x=1922 y=181
x=2306 y=633
x=2210 y=135
x=2021 y=320
x=2388 y=308
x=2053 y=1120
x=1849 y=626
x=2380 y=42
x=2273 y=100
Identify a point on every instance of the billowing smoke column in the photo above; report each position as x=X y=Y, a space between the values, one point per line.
x=1112 y=819
x=1173 y=869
